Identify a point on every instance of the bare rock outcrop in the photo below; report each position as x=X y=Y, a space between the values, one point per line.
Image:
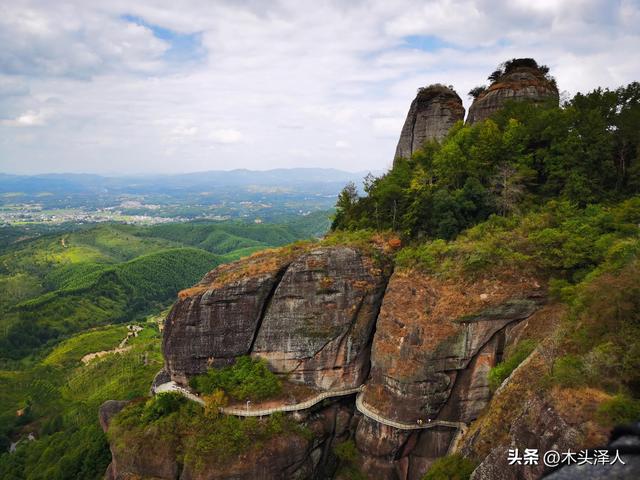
x=108 y=410
x=523 y=415
x=434 y=338
x=309 y=313
x=432 y=113
x=318 y=325
x=216 y=321
x=520 y=82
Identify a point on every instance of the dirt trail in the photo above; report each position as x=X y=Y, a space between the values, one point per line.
x=133 y=331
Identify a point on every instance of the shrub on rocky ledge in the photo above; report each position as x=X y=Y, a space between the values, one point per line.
x=619 y=410
x=185 y=427
x=348 y=454
x=161 y=405
x=246 y=379
x=451 y=467
x=500 y=372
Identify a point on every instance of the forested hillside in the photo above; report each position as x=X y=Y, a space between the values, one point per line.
x=64 y=283
x=67 y=296
x=536 y=191
x=584 y=152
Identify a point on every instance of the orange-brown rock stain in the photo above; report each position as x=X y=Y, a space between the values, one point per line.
x=430 y=306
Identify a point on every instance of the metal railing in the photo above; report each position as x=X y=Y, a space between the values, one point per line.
x=360 y=405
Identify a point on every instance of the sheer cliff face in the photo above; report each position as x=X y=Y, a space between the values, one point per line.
x=318 y=325
x=432 y=114
x=520 y=84
x=434 y=345
x=216 y=321
x=311 y=316
x=431 y=355
x=334 y=318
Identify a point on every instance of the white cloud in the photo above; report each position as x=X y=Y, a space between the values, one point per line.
x=387 y=126
x=226 y=135
x=277 y=84
x=27 y=119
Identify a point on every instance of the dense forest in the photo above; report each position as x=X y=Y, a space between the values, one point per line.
x=585 y=151
x=66 y=282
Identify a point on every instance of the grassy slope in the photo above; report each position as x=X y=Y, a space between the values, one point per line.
x=113 y=273
x=67 y=285
x=62 y=396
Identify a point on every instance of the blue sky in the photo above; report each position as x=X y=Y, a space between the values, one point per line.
x=182 y=47
x=160 y=86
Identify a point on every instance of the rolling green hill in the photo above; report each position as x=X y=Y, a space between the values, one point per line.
x=69 y=294
x=57 y=399
x=63 y=283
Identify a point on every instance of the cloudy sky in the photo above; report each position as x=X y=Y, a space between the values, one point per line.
x=172 y=86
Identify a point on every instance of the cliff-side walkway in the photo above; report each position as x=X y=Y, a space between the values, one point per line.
x=247 y=412
x=368 y=412
x=360 y=405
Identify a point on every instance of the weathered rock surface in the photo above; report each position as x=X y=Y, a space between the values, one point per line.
x=282 y=457
x=216 y=321
x=391 y=454
x=336 y=317
x=522 y=415
x=520 y=84
x=310 y=315
x=626 y=440
x=431 y=115
x=108 y=410
x=429 y=334
x=318 y=326
x=540 y=427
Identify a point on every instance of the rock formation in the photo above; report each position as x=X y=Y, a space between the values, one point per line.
x=281 y=457
x=339 y=317
x=311 y=316
x=334 y=318
x=435 y=342
x=318 y=326
x=521 y=82
x=425 y=345
x=216 y=321
x=431 y=115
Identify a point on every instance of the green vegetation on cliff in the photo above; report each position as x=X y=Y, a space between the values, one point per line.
x=584 y=152
x=500 y=372
x=170 y=423
x=246 y=379
x=348 y=455
x=536 y=192
x=67 y=295
x=451 y=467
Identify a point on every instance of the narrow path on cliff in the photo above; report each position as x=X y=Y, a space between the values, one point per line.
x=368 y=412
x=247 y=412
x=360 y=405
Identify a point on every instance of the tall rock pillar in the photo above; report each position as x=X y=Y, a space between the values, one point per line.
x=433 y=112
x=520 y=80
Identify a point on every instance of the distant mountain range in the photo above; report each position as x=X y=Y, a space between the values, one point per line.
x=321 y=180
